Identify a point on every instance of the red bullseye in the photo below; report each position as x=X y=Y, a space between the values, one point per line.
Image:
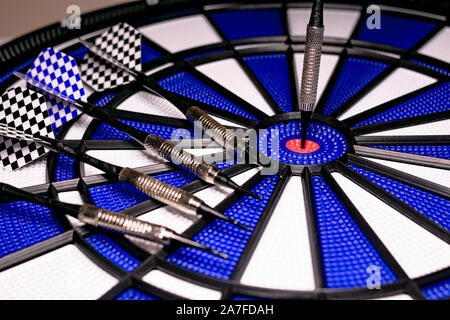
x=295 y=146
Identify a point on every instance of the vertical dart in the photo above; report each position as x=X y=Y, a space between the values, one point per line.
x=311 y=66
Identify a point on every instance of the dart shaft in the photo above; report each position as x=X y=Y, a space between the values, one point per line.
x=100 y=114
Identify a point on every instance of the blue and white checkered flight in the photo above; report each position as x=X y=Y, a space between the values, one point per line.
x=58 y=71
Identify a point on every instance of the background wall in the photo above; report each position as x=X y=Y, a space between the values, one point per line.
x=18 y=17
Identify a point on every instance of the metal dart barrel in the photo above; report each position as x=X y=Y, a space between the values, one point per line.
x=311 y=66
x=218 y=132
x=132 y=226
x=205 y=171
x=174 y=197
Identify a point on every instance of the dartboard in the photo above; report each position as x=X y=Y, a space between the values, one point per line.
x=362 y=213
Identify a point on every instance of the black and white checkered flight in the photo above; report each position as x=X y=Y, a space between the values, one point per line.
x=123 y=43
x=25 y=110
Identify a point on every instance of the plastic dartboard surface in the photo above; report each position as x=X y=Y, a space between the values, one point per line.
x=363 y=214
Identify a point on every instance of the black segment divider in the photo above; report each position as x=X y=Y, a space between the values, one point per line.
x=313 y=231
x=400 y=176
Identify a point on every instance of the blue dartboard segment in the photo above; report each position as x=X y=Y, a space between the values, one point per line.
x=355 y=74
x=186 y=85
x=23 y=224
x=133 y=294
x=106 y=132
x=348 y=257
x=396 y=31
x=111 y=251
x=432 y=101
x=437 y=291
x=250 y=23
x=272 y=71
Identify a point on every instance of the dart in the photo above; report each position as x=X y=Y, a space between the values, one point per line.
x=311 y=66
x=206 y=172
x=106 y=219
x=220 y=134
x=115 y=59
x=47 y=81
x=15 y=157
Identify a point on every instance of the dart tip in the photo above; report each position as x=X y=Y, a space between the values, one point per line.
x=251 y=194
x=305 y=117
x=221 y=178
x=194 y=244
x=237 y=224
x=303 y=142
x=220 y=254
x=205 y=209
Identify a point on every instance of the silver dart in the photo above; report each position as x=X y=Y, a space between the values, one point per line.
x=219 y=133
x=311 y=66
x=205 y=171
x=106 y=219
x=123 y=223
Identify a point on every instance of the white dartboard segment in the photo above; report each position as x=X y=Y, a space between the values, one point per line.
x=180 y=287
x=439 y=46
x=289 y=264
x=403 y=296
x=123 y=158
x=418 y=251
x=32 y=174
x=230 y=75
x=182 y=33
x=63 y=274
x=435 y=175
x=400 y=82
x=77 y=130
x=435 y=128
x=147 y=103
x=339 y=23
